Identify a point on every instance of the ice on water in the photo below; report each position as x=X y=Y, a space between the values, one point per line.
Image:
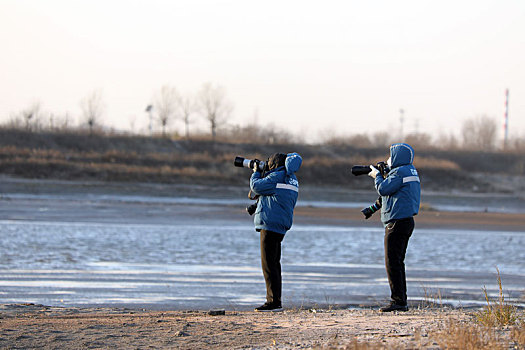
x=215 y=263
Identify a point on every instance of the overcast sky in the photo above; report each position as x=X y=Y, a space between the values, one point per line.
x=306 y=66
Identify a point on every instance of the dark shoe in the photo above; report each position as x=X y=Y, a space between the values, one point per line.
x=269 y=307
x=394 y=307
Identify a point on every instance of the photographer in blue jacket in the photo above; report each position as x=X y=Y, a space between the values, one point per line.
x=400 y=193
x=277 y=190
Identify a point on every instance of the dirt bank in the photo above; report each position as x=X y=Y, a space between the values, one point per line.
x=425 y=219
x=34 y=326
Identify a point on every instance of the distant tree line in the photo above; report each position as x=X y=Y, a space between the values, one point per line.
x=167 y=105
x=211 y=104
x=477 y=133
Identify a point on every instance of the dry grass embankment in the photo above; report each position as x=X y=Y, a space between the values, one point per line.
x=74 y=155
x=499 y=325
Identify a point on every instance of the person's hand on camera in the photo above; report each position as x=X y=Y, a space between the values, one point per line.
x=255 y=165
x=373 y=172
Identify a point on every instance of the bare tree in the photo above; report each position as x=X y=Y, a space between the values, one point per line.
x=149 y=110
x=30 y=115
x=517 y=143
x=382 y=139
x=93 y=107
x=479 y=133
x=419 y=140
x=216 y=107
x=187 y=107
x=357 y=140
x=166 y=105
x=447 y=141
x=64 y=121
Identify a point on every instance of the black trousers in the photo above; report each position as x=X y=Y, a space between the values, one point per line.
x=397 y=234
x=271 y=264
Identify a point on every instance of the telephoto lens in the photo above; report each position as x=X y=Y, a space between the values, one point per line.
x=360 y=170
x=239 y=162
x=249 y=163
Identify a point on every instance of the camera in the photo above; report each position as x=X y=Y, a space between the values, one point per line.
x=251 y=208
x=384 y=169
x=248 y=163
x=369 y=211
x=358 y=170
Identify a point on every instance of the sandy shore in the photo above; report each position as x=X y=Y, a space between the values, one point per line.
x=425 y=219
x=36 y=326
x=31 y=326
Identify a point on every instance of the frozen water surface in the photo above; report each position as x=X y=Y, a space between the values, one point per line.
x=216 y=263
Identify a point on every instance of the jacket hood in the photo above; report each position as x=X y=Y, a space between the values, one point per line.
x=401 y=154
x=292 y=163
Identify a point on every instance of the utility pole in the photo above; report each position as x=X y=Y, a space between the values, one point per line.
x=506 y=121
x=149 y=109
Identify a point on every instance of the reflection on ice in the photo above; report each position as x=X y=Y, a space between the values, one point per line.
x=198 y=266
x=73 y=284
x=115 y=267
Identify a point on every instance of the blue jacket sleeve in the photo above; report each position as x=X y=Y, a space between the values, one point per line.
x=263 y=186
x=390 y=185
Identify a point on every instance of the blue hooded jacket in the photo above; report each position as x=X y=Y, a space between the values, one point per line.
x=278 y=192
x=401 y=190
